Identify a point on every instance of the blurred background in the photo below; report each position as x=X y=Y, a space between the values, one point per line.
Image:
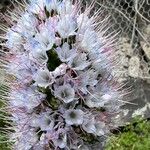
x=131 y=18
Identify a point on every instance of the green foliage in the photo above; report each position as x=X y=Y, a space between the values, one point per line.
x=135 y=136
x=52 y=57
x=3 y=142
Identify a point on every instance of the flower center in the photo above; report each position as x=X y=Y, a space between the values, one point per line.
x=73 y=115
x=64 y=94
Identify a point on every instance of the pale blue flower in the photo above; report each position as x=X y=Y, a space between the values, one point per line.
x=65 y=53
x=74 y=117
x=79 y=62
x=66 y=26
x=61 y=142
x=65 y=93
x=45 y=37
x=43 y=78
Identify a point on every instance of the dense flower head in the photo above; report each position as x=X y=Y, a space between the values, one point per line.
x=63 y=89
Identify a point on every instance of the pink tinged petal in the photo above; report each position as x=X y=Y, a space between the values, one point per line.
x=59 y=71
x=58 y=41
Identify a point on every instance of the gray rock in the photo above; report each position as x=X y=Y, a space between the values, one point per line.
x=140 y=101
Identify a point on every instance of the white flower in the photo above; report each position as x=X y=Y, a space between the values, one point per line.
x=94 y=127
x=65 y=93
x=43 y=78
x=92 y=77
x=60 y=70
x=27 y=98
x=61 y=142
x=65 y=7
x=51 y=5
x=36 y=6
x=65 y=53
x=51 y=24
x=101 y=63
x=100 y=128
x=33 y=46
x=89 y=41
x=40 y=56
x=40 y=145
x=45 y=37
x=97 y=100
x=84 y=22
x=29 y=20
x=26 y=140
x=89 y=125
x=74 y=116
x=79 y=62
x=89 y=77
x=20 y=67
x=14 y=40
x=19 y=64
x=27 y=25
x=67 y=26
x=81 y=83
x=44 y=121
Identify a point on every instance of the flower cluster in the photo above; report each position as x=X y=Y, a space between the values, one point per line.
x=62 y=91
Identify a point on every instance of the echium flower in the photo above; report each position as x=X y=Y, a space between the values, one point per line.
x=59 y=58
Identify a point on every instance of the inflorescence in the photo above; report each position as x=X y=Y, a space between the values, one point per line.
x=62 y=94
